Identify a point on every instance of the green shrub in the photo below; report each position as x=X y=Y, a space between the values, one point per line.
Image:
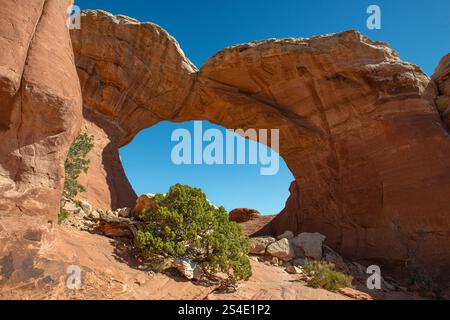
x=75 y=164
x=183 y=224
x=324 y=276
x=62 y=215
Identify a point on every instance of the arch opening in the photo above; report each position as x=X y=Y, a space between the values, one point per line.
x=233 y=171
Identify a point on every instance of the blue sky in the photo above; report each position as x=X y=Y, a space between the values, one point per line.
x=419 y=30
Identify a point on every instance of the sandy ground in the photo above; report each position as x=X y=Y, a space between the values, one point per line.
x=109 y=271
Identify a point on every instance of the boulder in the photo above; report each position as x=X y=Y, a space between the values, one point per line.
x=281 y=249
x=144 y=202
x=111 y=213
x=354 y=294
x=274 y=261
x=95 y=215
x=258 y=245
x=242 y=215
x=286 y=235
x=188 y=268
x=85 y=206
x=160 y=263
x=293 y=270
x=79 y=216
x=72 y=208
x=308 y=245
x=123 y=213
x=112 y=226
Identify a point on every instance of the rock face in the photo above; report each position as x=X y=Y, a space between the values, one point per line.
x=40 y=105
x=112 y=226
x=241 y=215
x=40 y=114
x=309 y=245
x=360 y=130
x=289 y=248
x=142 y=203
x=189 y=269
x=281 y=249
x=287 y=234
x=258 y=245
x=339 y=101
x=442 y=78
x=132 y=76
x=124 y=212
x=358 y=127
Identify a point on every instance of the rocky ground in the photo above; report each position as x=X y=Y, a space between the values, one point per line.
x=107 y=273
x=100 y=245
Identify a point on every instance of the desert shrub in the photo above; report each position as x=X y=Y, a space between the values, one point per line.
x=62 y=215
x=324 y=276
x=183 y=224
x=75 y=164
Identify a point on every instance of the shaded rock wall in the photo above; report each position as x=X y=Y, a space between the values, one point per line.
x=442 y=78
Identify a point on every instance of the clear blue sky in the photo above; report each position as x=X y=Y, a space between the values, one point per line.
x=419 y=30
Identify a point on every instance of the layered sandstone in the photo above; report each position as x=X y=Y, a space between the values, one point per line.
x=360 y=130
x=40 y=113
x=41 y=104
x=132 y=75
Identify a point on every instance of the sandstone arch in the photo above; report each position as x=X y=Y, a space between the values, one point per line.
x=359 y=128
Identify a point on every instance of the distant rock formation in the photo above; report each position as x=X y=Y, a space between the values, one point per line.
x=241 y=215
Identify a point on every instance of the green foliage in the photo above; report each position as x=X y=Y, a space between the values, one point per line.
x=62 y=215
x=184 y=224
x=75 y=164
x=324 y=276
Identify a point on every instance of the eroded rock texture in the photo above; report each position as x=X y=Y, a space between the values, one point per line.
x=40 y=112
x=442 y=78
x=359 y=128
x=132 y=76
